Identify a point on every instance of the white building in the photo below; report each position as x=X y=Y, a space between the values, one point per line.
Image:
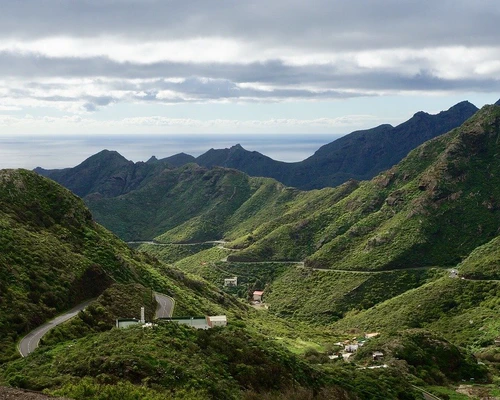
x=216 y=320
x=231 y=281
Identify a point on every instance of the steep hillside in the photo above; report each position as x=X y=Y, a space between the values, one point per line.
x=192 y=204
x=412 y=215
x=321 y=297
x=483 y=262
x=172 y=362
x=426 y=355
x=252 y=163
x=363 y=154
x=432 y=209
x=53 y=255
x=463 y=311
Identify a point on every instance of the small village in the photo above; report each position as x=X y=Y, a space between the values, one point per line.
x=346 y=349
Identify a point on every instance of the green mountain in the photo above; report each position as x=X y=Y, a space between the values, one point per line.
x=463 y=311
x=53 y=256
x=408 y=216
x=432 y=209
x=376 y=257
x=188 y=204
x=483 y=263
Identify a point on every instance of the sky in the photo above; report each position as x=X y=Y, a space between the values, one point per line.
x=275 y=67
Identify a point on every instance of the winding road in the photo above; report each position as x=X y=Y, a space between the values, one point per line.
x=31 y=341
x=154 y=243
x=165 y=307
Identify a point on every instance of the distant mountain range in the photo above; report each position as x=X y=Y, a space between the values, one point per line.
x=359 y=155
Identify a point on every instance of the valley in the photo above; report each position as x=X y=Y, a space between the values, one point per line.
x=411 y=254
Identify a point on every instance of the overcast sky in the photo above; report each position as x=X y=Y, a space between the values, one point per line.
x=226 y=66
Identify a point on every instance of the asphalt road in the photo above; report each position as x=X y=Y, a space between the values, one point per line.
x=165 y=307
x=30 y=342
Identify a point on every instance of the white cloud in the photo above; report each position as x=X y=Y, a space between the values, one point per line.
x=74 y=124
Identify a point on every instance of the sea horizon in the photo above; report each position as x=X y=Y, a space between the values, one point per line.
x=63 y=151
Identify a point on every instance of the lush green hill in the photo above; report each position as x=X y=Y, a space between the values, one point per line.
x=426 y=355
x=53 y=255
x=483 y=262
x=463 y=311
x=321 y=297
x=190 y=204
x=433 y=208
x=409 y=216
x=170 y=361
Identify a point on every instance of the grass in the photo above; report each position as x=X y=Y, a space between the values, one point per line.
x=171 y=253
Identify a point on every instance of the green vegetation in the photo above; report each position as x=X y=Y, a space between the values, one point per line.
x=199 y=260
x=170 y=359
x=464 y=312
x=54 y=256
x=324 y=296
x=375 y=258
x=483 y=262
x=170 y=253
x=425 y=355
x=410 y=216
x=119 y=301
x=251 y=276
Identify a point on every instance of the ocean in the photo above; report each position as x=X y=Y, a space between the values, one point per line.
x=24 y=151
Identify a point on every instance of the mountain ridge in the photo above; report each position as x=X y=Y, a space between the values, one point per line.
x=359 y=155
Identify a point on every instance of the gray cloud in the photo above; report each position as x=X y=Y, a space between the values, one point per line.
x=323 y=24
x=263 y=26
x=225 y=80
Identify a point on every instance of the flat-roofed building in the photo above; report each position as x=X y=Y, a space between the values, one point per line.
x=216 y=320
x=257 y=295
